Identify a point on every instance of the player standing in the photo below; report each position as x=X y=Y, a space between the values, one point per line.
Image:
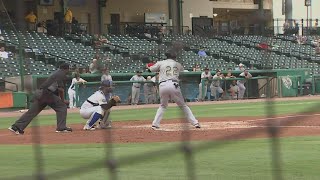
x=242 y=88
x=135 y=93
x=169 y=89
x=205 y=77
x=71 y=91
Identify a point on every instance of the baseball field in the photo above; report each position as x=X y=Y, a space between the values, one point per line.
x=233 y=143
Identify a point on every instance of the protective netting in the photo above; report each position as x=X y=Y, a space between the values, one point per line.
x=111 y=164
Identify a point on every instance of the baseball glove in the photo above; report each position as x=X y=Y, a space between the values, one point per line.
x=114 y=100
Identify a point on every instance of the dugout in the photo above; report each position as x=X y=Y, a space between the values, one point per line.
x=277 y=83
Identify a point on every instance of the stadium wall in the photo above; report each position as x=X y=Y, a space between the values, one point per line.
x=199 y=8
x=134 y=11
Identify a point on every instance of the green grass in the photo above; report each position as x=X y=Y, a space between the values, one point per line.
x=221 y=110
x=241 y=160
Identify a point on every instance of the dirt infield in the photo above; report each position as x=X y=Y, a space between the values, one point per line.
x=172 y=130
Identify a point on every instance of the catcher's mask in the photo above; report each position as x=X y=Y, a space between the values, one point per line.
x=106 y=86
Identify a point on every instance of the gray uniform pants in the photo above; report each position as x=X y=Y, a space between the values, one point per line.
x=49 y=99
x=242 y=90
x=135 y=95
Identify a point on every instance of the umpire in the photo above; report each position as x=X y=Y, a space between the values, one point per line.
x=47 y=95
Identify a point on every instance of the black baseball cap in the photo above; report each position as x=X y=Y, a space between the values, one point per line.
x=138 y=71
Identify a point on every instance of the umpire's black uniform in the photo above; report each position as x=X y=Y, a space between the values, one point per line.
x=46 y=96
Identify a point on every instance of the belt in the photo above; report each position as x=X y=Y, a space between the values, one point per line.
x=168 y=80
x=136 y=87
x=93 y=104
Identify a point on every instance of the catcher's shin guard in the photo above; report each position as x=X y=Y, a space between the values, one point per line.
x=93 y=119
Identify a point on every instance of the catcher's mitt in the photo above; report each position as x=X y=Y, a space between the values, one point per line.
x=115 y=100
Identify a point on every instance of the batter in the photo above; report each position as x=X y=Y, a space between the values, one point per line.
x=169 y=89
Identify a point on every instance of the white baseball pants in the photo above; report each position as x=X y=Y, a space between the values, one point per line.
x=168 y=91
x=72 y=97
x=135 y=95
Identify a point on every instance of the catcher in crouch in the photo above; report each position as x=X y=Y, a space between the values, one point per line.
x=97 y=107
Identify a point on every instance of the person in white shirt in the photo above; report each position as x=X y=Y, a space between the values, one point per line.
x=71 y=90
x=106 y=75
x=240 y=67
x=135 y=93
x=203 y=86
x=169 y=89
x=246 y=75
x=93 y=68
x=3 y=53
x=216 y=85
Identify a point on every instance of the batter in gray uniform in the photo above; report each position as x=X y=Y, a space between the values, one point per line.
x=169 y=89
x=135 y=92
x=46 y=96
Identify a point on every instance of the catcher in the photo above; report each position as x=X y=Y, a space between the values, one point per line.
x=97 y=107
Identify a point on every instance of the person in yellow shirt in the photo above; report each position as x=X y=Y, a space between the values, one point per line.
x=31 y=20
x=68 y=20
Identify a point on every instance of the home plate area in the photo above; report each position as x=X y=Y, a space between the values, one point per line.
x=205 y=126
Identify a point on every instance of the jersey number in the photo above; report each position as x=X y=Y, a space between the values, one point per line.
x=171 y=71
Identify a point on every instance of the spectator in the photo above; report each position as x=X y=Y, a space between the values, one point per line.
x=31 y=20
x=240 y=67
x=263 y=46
x=205 y=77
x=103 y=39
x=275 y=46
x=75 y=21
x=84 y=71
x=68 y=20
x=149 y=92
x=196 y=68
x=202 y=53
x=1 y=38
x=99 y=40
x=75 y=25
x=215 y=85
x=41 y=28
x=296 y=27
x=106 y=75
x=246 y=75
x=136 y=87
x=148 y=35
x=93 y=68
x=3 y=53
x=286 y=26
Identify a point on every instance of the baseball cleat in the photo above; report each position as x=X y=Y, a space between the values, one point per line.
x=87 y=128
x=155 y=127
x=15 y=130
x=64 y=130
x=197 y=126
